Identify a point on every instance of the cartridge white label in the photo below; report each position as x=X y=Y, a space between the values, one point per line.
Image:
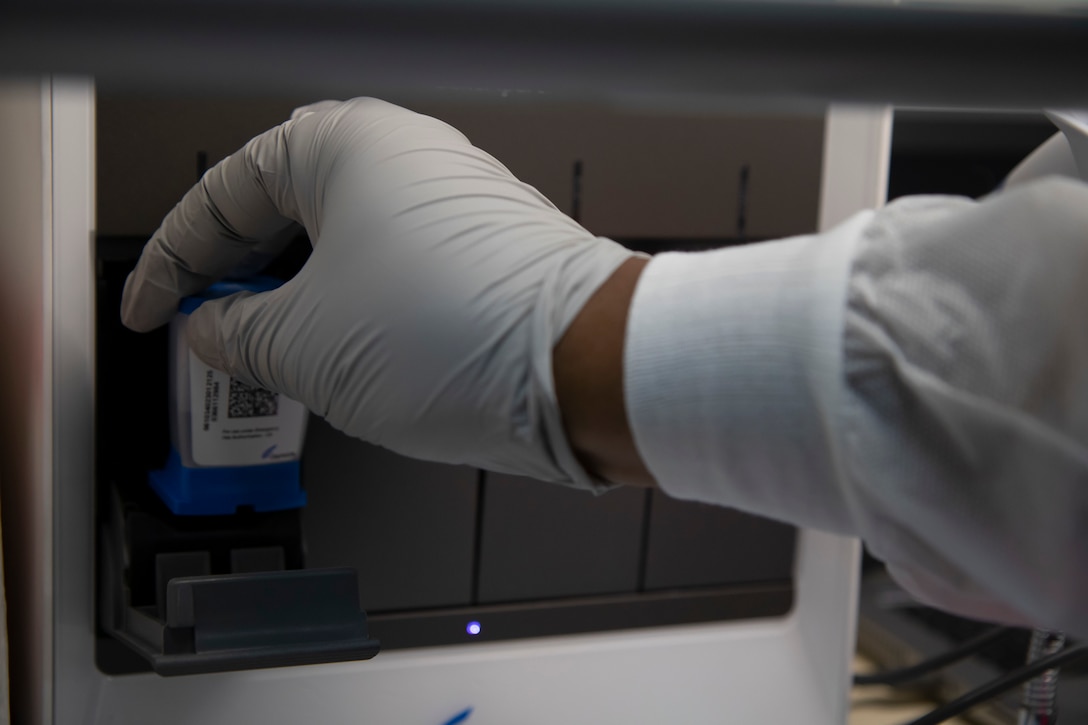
x=235 y=424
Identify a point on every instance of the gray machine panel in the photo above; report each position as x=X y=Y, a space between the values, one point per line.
x=407 y=527
x=692 y=544
x=544 y=542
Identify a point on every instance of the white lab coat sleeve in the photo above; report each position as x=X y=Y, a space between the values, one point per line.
x=917 y=377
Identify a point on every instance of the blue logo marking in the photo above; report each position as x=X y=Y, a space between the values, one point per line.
x=268 y=452
x=459 y=717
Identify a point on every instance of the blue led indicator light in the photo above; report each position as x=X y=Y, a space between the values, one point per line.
x=473 y=628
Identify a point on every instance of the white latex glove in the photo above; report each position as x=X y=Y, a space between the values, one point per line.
x=425 y=318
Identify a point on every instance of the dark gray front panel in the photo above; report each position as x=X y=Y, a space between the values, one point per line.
x=406 y=526
x=692 y=544
x=541 y=541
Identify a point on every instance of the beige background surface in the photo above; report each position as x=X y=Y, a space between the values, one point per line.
x=879 y=705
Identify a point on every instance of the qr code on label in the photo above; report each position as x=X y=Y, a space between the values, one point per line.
x=247 y=401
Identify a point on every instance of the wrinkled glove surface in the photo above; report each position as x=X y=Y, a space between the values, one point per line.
x=423 y=321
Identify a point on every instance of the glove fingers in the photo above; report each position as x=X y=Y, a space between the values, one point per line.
x=234 y=335
x=242 y=202
x=252 y=196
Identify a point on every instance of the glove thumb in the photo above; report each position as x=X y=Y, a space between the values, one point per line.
x=237 y=335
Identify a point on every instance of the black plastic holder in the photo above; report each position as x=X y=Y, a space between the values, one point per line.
x=160 y=596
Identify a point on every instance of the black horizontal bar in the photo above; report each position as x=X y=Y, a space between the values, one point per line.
x=579 y=615
x=797 y=53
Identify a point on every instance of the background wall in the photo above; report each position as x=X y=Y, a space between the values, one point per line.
x=646 y=174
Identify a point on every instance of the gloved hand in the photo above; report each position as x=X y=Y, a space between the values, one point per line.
x=425 y=318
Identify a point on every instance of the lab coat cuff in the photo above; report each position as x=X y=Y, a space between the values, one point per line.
x=732 y=362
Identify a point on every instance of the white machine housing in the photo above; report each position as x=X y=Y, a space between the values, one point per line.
x=790 y=670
